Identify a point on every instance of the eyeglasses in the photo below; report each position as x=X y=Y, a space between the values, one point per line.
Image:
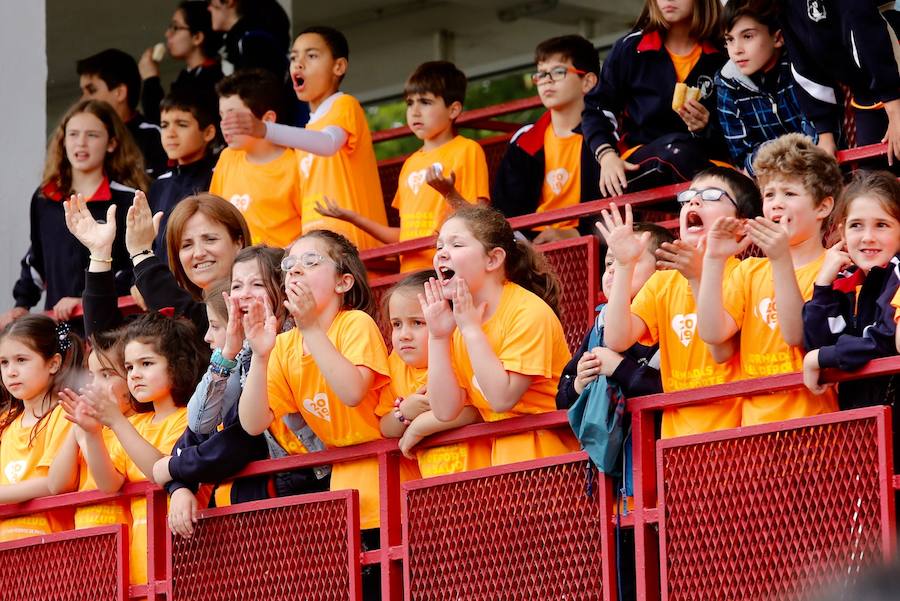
x=175 y=27
x=706 y=195
x=555 y=74
x=307 y=260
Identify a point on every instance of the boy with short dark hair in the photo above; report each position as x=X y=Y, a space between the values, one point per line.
x=334 y=151
x=436 y=177
x=188 y=120
x=548 y=165
x=112 y=76
x=761 y=300
x=257 y=176
x=756 y=96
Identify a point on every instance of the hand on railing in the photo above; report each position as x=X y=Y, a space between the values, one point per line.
x=183 y=512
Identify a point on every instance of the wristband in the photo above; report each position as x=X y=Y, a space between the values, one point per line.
x=397 y=413
x=603 y=151
x=99 y=260
x=148 y=251
x=218 y=364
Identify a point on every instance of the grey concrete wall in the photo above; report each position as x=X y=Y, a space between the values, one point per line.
x=23 y=73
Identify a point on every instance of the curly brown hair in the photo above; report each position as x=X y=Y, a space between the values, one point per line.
x=795 y=156
x=176 y=340
x=124 y=164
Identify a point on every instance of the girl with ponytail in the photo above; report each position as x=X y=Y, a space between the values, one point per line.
x=494 y=335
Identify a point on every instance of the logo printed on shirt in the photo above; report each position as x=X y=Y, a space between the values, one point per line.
x=14 y=470
x=241 y=201
x=768 y=313
x=416 y=180
x=306 y=165
x=684 y=327
x=556 y=179
x=318 y=406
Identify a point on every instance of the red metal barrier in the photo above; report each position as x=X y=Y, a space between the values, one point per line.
x=303 y=547
x=522 y=531
x=773 y=511
x=74 y=566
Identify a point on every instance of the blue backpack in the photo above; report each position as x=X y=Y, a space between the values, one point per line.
x=598 y=416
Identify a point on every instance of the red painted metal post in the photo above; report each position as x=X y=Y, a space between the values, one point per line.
x=157 y=531
x=608 y=537
x=391 y=532
x=646 y=540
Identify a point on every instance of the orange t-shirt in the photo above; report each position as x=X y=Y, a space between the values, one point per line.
x=349 y=177
x=667 y=307
x=434 y=461
x=268 y=194
x=562 y=175
x=22 y=458
x=422 y=209
x=749 y=297
x=528 y=339
x=163 y=435
x=101 y=514
x=297 y=385
x=684 y=64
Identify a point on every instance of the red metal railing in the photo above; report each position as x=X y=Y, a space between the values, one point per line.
x=546 y=513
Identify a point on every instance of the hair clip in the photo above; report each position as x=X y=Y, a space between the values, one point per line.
x=63 y=342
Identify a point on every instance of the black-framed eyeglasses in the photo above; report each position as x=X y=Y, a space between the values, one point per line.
x=555 y=74
x=307 y=260
x=705 y=194
x=175 y=27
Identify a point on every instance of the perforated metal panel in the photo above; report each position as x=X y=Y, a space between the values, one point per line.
x=771 y=516
x=520 y=535
x=77 y=565
x=577 y=265
x=303 y=547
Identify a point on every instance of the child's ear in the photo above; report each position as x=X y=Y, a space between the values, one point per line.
x=269 y=116
x=825 y=207
x=55 y=363
x=340 y=67
x=496 y=258
x=455 y=109
x=113 y=144
x=779 y=39
x=588 y=82
x=209 y=133
x=345 y=283
x=120 y=92
x=198 y=38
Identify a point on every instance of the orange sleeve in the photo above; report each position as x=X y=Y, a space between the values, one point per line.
x=734 y=291
x=281 y=397
x=346 y=114
x=531 y=335
x=57 y=429
x=472 y=174
x=361 y=343
x=645 y=306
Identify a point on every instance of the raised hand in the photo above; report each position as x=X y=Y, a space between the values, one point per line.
x=686 y=258
x=330 y=208
x=444 y=186
x=101 y=405
x=694 y=115
x=234 y=329
x=836 y=260
x=772 y=238
x=259 y=327
x=619 y=234
x=301 y=304
x=436 y=310
x=141 y=225
x=465 y=312
x=727 y=237
x=97 y=237
x=78 y=412
x=242 y=123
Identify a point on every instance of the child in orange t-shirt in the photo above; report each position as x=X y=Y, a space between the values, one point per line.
x=258 y=177
x=404 y=407
x=334 y=151
x=438 y=177
x=500 y=347
x=37 y=356
x=69 y=471
x=664 y=311
x=761 y=300
x=164 y=363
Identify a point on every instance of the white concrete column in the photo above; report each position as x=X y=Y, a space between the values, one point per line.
x=23 y=102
